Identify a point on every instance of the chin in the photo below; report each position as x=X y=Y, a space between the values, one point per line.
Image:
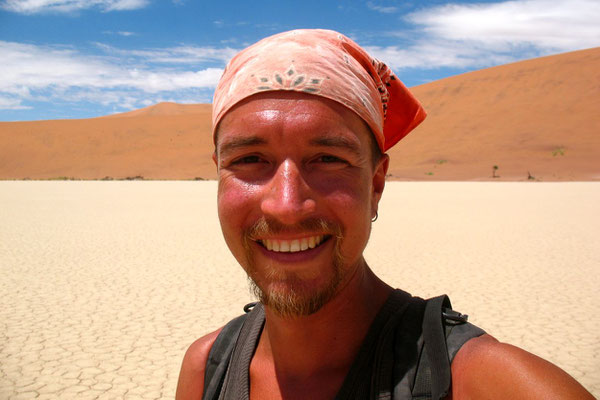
x=294 y=289
x=292 y=298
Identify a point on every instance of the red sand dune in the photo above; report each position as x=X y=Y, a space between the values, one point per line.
x=538 y=118
x=165 y=141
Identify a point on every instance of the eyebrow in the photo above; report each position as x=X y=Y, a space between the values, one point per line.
x=338 y=142
x=331 y=141
x=237 y=143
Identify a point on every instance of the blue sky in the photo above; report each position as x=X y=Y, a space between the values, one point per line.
x=87 y=58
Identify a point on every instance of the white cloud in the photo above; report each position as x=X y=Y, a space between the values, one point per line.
x=174 y=55
x=485 y=34
x=30 y=72
x=381 y=9
x=119 y=5
x=120 y=33
x=436 y=54
x=67 y=6
x=9 y=103
x=547 y=24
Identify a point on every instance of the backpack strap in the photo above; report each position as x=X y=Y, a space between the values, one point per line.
x=434 y=376
x=220 y=354
x=434 y=336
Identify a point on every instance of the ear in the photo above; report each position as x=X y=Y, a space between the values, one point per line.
x=379 y=181
x=214 y=158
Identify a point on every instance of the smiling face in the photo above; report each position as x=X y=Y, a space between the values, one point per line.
x=297 y=191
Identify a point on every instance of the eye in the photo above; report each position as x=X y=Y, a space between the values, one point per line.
x=328 y=159
x=253 y=159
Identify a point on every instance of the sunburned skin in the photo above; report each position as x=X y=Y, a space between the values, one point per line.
x=287 y=160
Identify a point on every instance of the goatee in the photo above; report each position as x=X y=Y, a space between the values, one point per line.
x=293 y=300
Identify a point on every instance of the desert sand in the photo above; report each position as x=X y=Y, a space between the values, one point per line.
x=535 y=120
x=105 y=284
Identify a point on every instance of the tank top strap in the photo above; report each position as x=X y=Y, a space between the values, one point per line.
x=236 y=382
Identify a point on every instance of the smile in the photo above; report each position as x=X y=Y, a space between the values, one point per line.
x=292 y=246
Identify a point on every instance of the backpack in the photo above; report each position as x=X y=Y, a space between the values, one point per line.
x=433 y=374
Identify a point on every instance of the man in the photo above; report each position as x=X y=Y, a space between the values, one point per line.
x=301 y=123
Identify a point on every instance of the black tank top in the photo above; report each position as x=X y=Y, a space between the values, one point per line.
x=392 y=362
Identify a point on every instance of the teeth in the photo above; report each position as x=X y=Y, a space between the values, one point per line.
x=304 y=244
x=295 y=246
x=292 y=246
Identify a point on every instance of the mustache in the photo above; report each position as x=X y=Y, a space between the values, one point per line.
x=270 y=227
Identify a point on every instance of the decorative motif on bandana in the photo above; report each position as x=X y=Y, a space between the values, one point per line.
x=290 y=80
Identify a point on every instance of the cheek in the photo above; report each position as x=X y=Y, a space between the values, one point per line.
x=234 y=203
x=356 y=224
x=235 y=206
x=351 y=203
x=349 y=196
x=233 y=194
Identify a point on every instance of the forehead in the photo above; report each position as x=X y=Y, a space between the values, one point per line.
x=271 y=114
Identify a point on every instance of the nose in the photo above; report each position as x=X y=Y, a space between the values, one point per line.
x=288 y=196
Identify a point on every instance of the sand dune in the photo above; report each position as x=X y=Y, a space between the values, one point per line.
x=166 y=109
x=537 y=118
x=167 y=141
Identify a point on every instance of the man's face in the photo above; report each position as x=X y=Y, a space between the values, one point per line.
x=297 y=191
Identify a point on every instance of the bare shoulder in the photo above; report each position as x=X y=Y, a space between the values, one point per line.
x=191 y=377
x=485 y=368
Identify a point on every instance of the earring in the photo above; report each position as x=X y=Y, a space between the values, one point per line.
x=375 y=217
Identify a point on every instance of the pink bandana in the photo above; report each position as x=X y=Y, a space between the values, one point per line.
x=324 y=63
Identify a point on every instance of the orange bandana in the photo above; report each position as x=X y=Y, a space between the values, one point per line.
x=324 y=63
